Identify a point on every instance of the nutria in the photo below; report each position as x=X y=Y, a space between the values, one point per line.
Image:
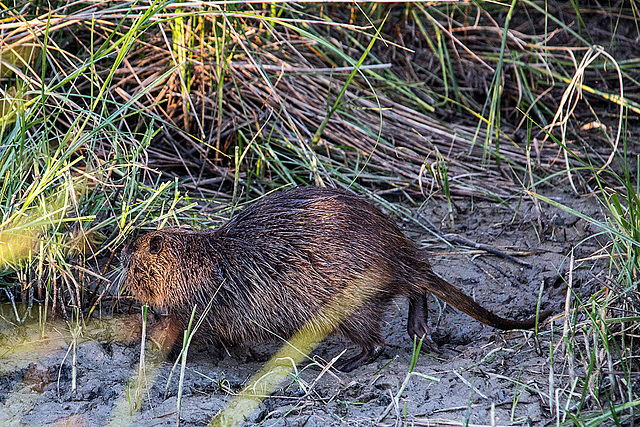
x=276 y=264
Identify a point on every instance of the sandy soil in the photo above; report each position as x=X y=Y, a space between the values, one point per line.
x=476 y=369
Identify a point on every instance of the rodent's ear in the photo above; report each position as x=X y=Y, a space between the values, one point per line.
x=155 y=244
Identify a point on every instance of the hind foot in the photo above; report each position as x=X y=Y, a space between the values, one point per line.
x=417 y=324
x=368 y=355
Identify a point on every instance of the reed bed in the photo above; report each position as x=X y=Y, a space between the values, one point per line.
x=211 y=77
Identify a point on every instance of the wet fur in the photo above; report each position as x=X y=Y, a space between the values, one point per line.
x=275 y=265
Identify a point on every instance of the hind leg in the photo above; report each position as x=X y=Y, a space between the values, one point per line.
x=363 y=329
x=417 y=322
x=368 y=355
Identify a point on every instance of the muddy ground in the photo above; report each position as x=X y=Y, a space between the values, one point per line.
x=477 y=367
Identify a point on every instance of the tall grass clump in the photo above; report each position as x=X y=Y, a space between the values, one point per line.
x=599 y=345
x=598 y=349
x=72 y=160
x=618 y=307
x=615 y=311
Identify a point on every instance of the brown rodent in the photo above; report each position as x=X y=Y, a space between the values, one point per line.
x=277 y=263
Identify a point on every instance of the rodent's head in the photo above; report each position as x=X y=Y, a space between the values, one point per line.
x=153 y=266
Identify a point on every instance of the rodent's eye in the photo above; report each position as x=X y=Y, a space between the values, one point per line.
x=155 y=244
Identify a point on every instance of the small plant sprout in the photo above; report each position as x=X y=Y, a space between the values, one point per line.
x=141 y=365
x=188 y=334
x=417 y=345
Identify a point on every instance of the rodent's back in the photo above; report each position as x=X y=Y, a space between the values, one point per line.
x=327 y=222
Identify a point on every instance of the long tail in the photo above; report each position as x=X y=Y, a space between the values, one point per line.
x=451 y=295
